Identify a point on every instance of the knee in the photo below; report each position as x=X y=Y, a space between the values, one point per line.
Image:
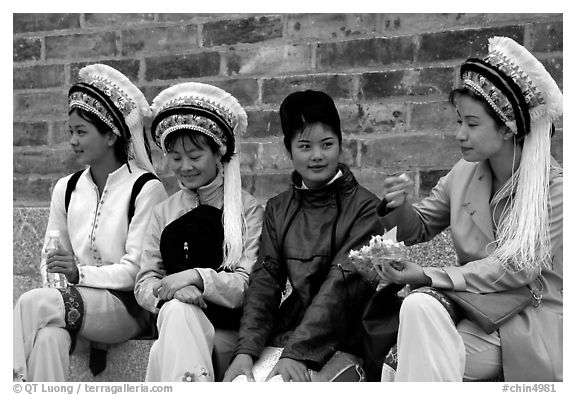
x=39 y=299
x=52 y=335
x=419 y=304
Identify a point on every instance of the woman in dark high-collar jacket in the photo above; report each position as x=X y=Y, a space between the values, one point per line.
x=307 y=233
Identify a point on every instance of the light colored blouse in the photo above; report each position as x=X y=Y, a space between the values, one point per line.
x=222 y=288
x=107 y=249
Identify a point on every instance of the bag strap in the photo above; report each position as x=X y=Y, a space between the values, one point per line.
x=136 y=188
x=72 y=181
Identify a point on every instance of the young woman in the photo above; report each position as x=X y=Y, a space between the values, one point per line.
x=307 y=234
x=503 y=204
x=99 y=241
x=202 y=242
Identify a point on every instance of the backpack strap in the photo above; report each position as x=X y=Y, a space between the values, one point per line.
x=136 y=188
x=72 y=181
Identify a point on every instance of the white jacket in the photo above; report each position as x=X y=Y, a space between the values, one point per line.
x=95 y=228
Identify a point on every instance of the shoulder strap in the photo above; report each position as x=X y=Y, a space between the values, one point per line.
x=136 y=188
x=72 y=181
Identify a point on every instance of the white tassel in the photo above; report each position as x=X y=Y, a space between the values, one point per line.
x=523 y=240
x=234 y=219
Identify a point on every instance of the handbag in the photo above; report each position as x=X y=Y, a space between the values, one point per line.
x=490 y=310
x=194 y=240
x=379 y=328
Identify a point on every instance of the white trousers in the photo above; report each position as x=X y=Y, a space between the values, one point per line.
x=185 y=345
x=42 y=345
x=432 y=348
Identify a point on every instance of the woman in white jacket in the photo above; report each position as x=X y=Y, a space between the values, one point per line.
x=100 y=242
x=202 y=242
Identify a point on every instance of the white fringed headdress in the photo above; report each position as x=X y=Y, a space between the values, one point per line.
x=217 y=114
x=112 y=97
x=524 y=95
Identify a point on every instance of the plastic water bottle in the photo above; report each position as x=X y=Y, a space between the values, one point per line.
x=54 y=280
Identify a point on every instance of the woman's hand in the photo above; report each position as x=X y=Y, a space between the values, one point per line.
x=62 y=261
x=241 y=365
x=396 y=189
x=167 y=286
x=401 y=272
x=290 y=370
x=191 y=295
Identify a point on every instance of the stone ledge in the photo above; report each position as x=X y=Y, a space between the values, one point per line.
x=127 y=361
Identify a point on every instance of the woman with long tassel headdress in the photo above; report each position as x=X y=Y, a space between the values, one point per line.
x=202 y=242
x=100 y=214
x=503 y=203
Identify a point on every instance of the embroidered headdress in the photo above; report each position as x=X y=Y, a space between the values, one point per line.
x=114 y=99
x=526 y=98
x=217 y=114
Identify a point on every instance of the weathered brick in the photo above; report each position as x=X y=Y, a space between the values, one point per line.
x=263 y=123
x=33 y=133
x=429 y=179
x=260 y=60
x=349 y=153
x=329 y=26
x=426 y=22
x=379 y=118
x=116 y=19
x=554 y=66
x=373 y=179
x=372 y=52
x=547 y=37
x=429 y=81
x=60 y=133
x=518 y=17
x=32 y=188
x=248 y=156
x=45 y=161
x=129 y=67
x=38 y=77
x=23 y=23
x=268 y=185
x=350 y=117
x=245 y=90
x=273 y=156
x=274 y=90
x=197 y=18
x=156 y=40
x=26 y=48
x=247 y=30
x=439 y=116
x=37 y=105
x=185 y=66
x=74 y=46
x=410 y=152
x=462 y=44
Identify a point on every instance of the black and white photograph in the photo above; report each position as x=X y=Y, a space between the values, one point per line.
x=290 y=196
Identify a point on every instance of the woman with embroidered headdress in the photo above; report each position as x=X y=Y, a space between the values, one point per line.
x=100 y=240
x=302 y=306
x=202 y=242
x=503 y=204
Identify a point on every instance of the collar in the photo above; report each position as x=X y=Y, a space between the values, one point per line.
x=212 y=193
x=337 y=176
x=117 y=177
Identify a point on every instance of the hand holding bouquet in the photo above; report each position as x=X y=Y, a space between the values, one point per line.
x=381 y=250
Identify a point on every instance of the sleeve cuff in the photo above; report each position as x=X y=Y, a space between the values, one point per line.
x=206 y=275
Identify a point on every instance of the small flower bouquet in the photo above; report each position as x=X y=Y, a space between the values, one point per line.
x=369 y=259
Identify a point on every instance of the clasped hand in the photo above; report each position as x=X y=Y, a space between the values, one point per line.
x=182 y=286
x=396 y=190
x=63 y=262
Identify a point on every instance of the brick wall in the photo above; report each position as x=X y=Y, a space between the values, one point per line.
x=388 y=73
